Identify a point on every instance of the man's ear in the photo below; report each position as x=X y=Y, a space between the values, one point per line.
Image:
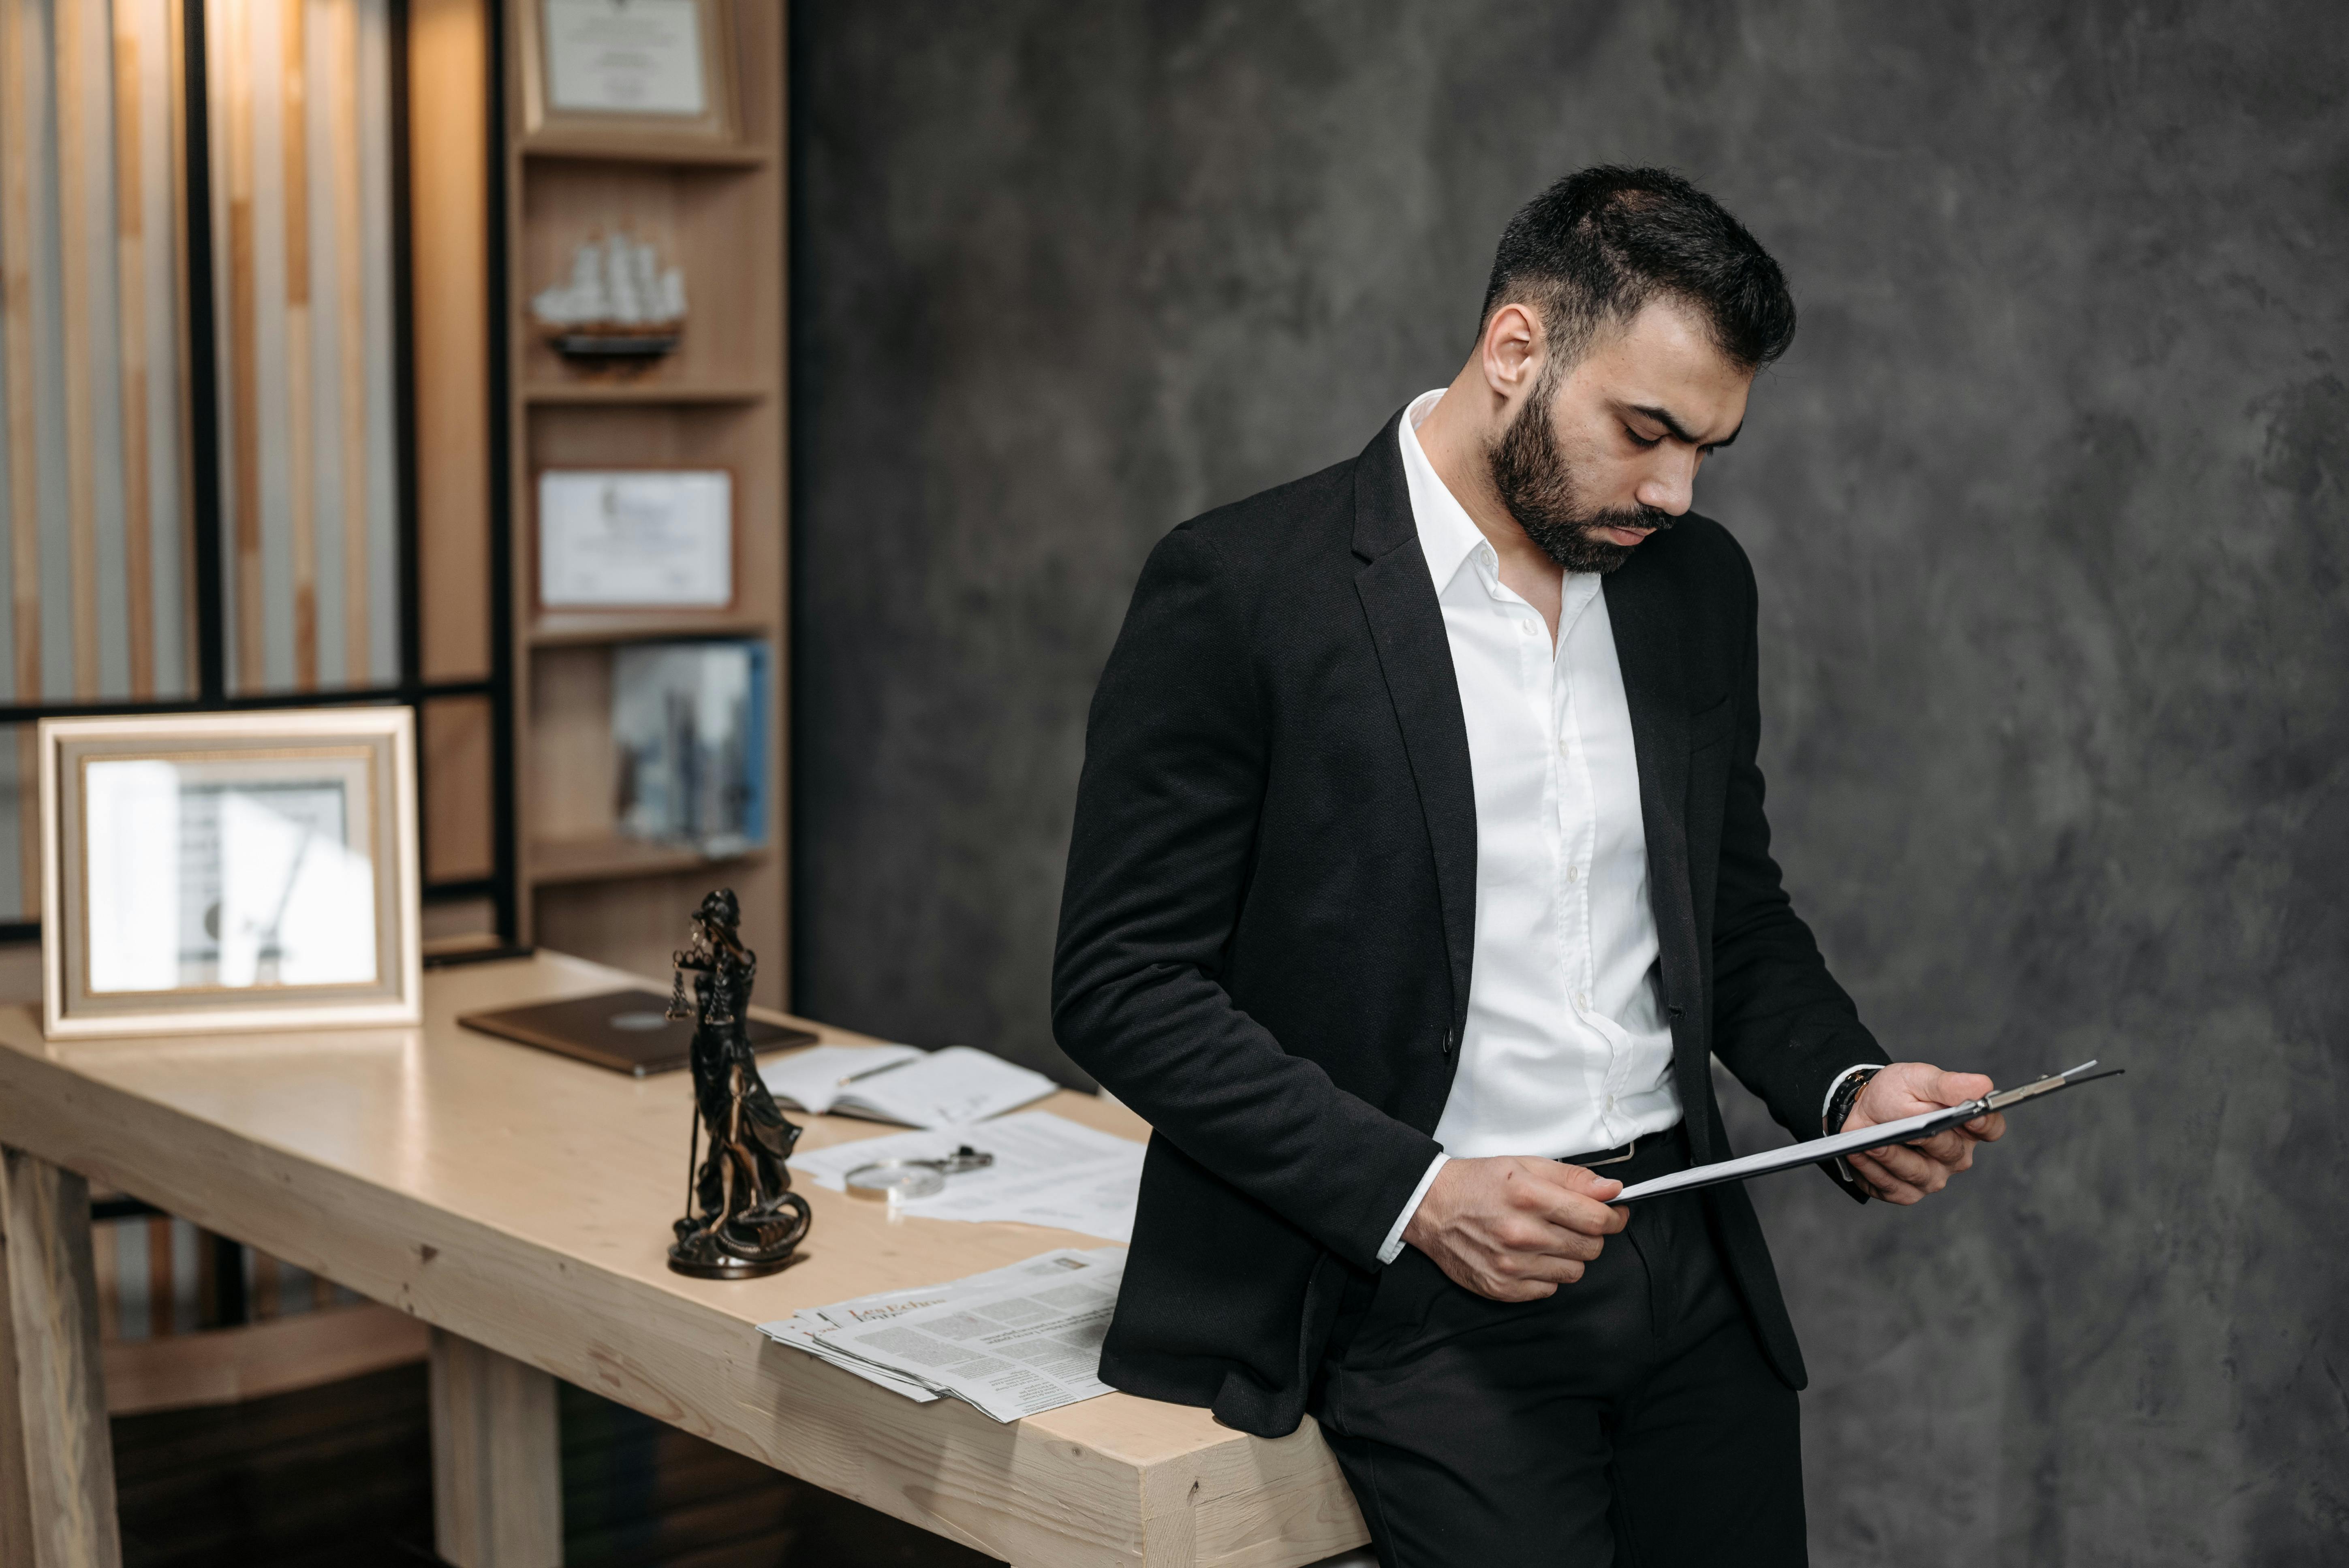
x=1511 y=349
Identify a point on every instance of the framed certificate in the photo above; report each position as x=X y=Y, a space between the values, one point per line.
x=236 y=871
x=635 y=539
x=628 y=68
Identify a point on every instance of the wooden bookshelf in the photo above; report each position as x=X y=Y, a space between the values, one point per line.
x=715 y=210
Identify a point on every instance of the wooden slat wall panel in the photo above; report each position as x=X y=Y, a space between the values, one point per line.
x=449 y=204
x=78 y=206
x=130 y=240
x=97 y=592
x=348 y=187
x=159 y=589
x=301 y=462
x=97 y=599
x=301 y=115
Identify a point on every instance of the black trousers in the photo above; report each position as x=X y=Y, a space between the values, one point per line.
x=1629 y=1418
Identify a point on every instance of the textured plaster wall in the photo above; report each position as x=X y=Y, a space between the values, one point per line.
x=2048 y=506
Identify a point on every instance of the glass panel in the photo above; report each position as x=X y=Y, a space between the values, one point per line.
x=300 y=110
x=94 y=589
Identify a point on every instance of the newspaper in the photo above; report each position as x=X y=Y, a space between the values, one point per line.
x=1048 y=1170
x=1011 y=1341
x=809 y=1329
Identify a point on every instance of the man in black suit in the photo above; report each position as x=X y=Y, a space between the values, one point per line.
x=1419 y=869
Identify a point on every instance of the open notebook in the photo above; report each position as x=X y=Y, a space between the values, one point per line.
x=903 y=1083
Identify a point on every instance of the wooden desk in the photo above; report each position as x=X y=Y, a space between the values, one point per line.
x=520 y=1202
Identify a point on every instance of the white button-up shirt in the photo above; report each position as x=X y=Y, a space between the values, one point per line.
x=1567 y=1048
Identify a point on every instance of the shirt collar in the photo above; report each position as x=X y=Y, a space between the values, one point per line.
x=1447 y=534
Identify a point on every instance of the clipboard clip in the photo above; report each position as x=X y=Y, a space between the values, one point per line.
x=2004 y=1098
x=1959 y=1115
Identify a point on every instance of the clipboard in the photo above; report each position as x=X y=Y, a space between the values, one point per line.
x=1811 y=1152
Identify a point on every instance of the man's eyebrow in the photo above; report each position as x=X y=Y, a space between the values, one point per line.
x=1678 y=433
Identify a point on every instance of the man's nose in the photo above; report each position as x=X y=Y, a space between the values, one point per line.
x=1670 y=486
x=1666 y=494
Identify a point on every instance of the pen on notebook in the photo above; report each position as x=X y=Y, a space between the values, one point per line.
x=883 y=1067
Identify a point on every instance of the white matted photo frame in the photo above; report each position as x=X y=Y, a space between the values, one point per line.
x=601 y=69
x=202 y=873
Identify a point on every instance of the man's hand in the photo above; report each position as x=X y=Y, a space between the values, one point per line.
x=1905 y=1173
x=1514 y=1229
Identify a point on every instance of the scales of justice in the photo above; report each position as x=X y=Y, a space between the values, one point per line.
x=742 y=1220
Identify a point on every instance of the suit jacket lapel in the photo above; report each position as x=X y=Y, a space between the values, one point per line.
x=1643 y=607
x=1415 y=654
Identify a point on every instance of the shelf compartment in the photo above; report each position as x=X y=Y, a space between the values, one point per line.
x=641 y=393
x=592 y=628
x=707 y=229
x=613 y=858
x=675 y=153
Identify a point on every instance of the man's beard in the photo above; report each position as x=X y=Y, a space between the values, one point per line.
x=1537 y=484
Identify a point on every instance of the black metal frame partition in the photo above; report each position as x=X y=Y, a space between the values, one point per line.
x=411 y=689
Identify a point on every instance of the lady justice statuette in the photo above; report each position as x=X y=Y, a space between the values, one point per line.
x=743 y=1219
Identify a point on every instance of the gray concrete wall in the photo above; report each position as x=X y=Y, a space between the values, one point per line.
x=2047 y=506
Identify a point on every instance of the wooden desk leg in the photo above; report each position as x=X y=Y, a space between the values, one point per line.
x=57 y=1451
x=497 y=1460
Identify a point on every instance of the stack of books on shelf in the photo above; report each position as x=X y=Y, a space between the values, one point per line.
x=690 y=729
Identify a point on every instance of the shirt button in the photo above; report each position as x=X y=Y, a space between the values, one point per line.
x=1573 y=873
x=1583 y=999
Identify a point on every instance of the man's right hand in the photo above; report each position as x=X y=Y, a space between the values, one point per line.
x=1514 y=1229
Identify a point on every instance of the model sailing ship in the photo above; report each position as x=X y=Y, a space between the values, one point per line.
x=620 y=303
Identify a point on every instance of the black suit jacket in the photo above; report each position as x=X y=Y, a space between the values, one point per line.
x=1266 y=932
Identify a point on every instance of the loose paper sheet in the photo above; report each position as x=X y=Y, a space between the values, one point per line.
x=1048 y=1170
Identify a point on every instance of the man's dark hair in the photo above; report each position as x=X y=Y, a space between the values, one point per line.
x=1598 y=245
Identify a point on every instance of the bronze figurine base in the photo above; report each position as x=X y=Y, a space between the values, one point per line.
x=709 y=1262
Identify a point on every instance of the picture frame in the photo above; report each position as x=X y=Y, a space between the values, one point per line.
x=600 y=69
x=635 y=539
x=206 y=872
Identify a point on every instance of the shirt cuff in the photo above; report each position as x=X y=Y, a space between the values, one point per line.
x=1828 y=1099
x=1842 y=1171
x=1391 y=1248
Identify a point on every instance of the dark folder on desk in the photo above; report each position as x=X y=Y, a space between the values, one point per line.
x=628 y=1031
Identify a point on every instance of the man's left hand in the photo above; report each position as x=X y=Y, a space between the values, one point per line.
x=1906 y=1172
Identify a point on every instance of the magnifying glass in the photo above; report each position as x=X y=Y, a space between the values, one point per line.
x=898 y=1180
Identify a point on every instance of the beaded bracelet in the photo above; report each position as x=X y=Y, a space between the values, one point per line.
x=1846 y=1095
